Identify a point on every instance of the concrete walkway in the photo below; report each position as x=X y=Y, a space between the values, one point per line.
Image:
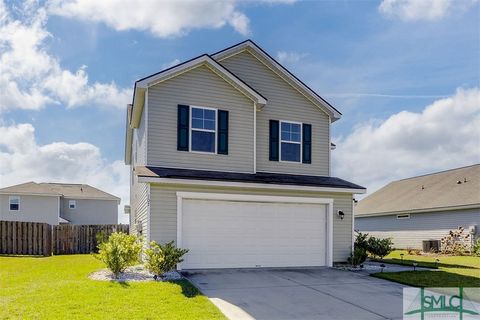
x=320 y=293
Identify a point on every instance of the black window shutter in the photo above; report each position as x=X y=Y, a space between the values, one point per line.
x=274 y=140
x=307 y=143
x=183 y=127
x=222 y=139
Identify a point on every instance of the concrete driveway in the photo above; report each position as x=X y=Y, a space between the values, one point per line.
x=320 y=293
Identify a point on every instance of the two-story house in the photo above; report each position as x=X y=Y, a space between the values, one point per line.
x=58 y=203
x=230 y=158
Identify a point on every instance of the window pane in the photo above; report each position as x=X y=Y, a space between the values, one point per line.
x=197 y=123
x=209 y=114
x=295 y=128
x=295 y=137
x=209 y=124
x=203 y=141
x=290 y=152
x=197 y=113
x=14 y=206
x=285 y=135
x=286 y=126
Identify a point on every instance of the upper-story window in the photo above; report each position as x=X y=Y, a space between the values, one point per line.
x=14 y=203
x=290 y=141
x=72 y=204
x=203 y=129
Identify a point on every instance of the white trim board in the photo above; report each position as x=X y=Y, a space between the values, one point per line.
x=170 y=181
x=257 y=198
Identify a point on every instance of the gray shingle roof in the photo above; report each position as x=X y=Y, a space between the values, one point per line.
x=68 y=190
x=442 y=190
x=259 y=177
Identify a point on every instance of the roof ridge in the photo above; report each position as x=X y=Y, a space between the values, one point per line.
x=434 y=173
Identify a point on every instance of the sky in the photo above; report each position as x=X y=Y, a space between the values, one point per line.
x=404 y=73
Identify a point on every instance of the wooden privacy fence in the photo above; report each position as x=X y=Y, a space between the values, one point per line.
x=71 y=239
x=27 y=238
x=31 y=238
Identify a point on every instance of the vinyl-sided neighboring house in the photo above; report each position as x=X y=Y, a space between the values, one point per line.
x=230 y=158
x=423 y=208
x=56 y=203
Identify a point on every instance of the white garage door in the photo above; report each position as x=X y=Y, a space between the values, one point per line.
x=236 y=234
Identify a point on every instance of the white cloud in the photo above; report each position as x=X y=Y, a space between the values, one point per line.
x=290 y=57
x=429 y=10
x=164 y=19
x=22 y=159
x=30 y=77
x=446 y=134
x=161 y=18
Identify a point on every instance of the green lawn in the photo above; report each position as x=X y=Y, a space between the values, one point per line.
x=453 y=271
x=58 y=288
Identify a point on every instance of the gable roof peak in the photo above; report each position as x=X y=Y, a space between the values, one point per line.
x=283 y=72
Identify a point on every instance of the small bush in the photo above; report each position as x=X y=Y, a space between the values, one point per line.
x=120 y=251
x=476 y=248
x=457 y=242
x=163 y=258
x=361 y=240
x=358 y=256
x=379 y=247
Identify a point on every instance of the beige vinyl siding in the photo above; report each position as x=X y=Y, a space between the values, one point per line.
x=32 y=209
x=409 y=233
x=139 y=202
x=164 y=212
x=90 y=211
x=284 y=103
x=200 y=87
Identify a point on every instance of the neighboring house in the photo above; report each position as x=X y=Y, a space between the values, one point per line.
x=423 y=208
x=230 y=158
x=56 y=203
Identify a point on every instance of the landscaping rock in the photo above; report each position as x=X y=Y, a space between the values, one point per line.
x=135 y=273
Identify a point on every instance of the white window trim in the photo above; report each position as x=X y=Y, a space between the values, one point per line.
x=403 y=216
x=74 y=204
x=10 y=198
x=258 y=198
x=280 y=139
x=190 y=129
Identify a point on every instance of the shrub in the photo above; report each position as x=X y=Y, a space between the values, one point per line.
x=358 y=256
x=379 y=247
x=456 y=242
x=163 y=258
x=476 y=248
x=361 y=240
x=100 y=238
x=120 y=251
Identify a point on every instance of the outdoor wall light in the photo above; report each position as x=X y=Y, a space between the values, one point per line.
x=341 y=214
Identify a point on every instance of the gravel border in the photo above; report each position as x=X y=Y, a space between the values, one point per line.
x=133 y=274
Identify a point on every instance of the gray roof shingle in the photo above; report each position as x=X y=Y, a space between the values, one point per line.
x=447 y=189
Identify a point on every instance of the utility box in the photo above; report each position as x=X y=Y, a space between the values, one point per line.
x=431 y=245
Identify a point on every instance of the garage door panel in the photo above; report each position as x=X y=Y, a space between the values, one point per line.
x=224 y=234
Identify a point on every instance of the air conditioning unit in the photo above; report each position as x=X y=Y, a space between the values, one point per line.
x=431 y=245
